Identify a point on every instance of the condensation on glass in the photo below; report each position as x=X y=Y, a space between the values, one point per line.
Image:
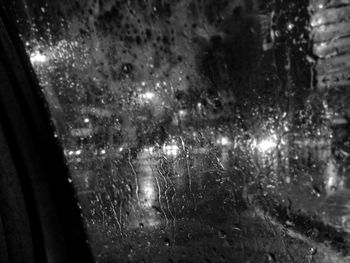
x=199 y=130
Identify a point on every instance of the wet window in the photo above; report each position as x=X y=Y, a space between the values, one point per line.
x=200 y=130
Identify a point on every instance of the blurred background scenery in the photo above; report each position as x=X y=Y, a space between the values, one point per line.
x=200 y=130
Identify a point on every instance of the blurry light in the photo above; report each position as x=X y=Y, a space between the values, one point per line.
x=288 y=180
x=86 y=120
x=267 y=145
x=150 y=149
x=171 y=150
x=290 y=26
x=70 y=153
x=283 y=141
x=78 y=152
x=148 y=190
x=320 y=6
x=224 y=141
x=253 y=143
x=148 y=95
x=182 y=113
x=103 y=151
x=38 y=58
x=143 y=83
x=120 y=149
x=316 y=22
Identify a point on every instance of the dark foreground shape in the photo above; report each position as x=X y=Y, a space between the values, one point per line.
x=40 y=220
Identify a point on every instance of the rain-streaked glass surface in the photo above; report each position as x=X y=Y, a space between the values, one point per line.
x=200 y=130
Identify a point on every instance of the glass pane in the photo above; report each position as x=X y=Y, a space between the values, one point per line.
x=200 y=130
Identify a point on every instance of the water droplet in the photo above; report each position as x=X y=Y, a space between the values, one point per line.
x=222 y=234
x=167 y=241
x=271 y=257
x=313 y=251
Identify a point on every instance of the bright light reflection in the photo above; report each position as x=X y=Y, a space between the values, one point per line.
x=38 y=58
